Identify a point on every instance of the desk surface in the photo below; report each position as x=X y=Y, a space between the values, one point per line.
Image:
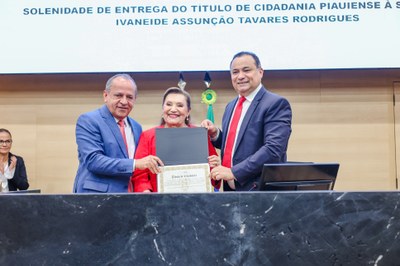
x=258 y=228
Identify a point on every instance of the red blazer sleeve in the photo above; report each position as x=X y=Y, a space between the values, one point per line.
x=142 y=179
x=212 y=151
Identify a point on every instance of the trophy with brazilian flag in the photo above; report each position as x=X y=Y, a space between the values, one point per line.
x=209 y=97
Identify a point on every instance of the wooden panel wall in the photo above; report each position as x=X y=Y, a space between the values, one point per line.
x=397 y=130
x=345 y=116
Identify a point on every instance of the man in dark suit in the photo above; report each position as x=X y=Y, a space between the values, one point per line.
x=107 y=139
x=263 y=127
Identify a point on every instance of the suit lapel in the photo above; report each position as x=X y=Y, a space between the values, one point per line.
x=110 y=121
x=135 y=131
x=249 y=114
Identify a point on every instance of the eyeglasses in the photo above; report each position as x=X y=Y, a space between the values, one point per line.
x=7 y=142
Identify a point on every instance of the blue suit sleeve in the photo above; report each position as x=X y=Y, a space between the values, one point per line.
x=99 y=151
x=275 y=126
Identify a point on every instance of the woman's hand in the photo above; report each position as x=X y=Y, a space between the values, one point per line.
x=214 y=161
x=13 y=163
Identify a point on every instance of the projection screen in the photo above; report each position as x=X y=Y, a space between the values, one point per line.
x=76 y=36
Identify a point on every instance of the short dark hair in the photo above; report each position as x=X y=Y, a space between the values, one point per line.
x=176 y=90
x=243 y=53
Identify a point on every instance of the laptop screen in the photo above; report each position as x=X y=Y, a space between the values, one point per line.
x=299 y=176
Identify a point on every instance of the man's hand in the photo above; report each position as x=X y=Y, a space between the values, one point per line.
x=212 y=130
x=150 y=162
x=223 y=173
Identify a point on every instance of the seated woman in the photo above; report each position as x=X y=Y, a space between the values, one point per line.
x=12 y=167
x=176 y=113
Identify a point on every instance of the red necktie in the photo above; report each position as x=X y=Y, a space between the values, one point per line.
x=230 y=140
x=121 y=125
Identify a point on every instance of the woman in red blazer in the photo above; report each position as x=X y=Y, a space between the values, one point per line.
x=176 y=113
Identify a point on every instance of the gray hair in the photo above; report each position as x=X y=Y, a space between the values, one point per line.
x=123 y=76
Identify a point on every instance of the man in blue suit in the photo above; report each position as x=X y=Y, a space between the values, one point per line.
x=107 y=138
x=263 y=130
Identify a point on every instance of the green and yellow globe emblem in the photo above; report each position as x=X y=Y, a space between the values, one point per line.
x=209 y=97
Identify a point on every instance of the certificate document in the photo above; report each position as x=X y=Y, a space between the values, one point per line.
x=186 y=178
